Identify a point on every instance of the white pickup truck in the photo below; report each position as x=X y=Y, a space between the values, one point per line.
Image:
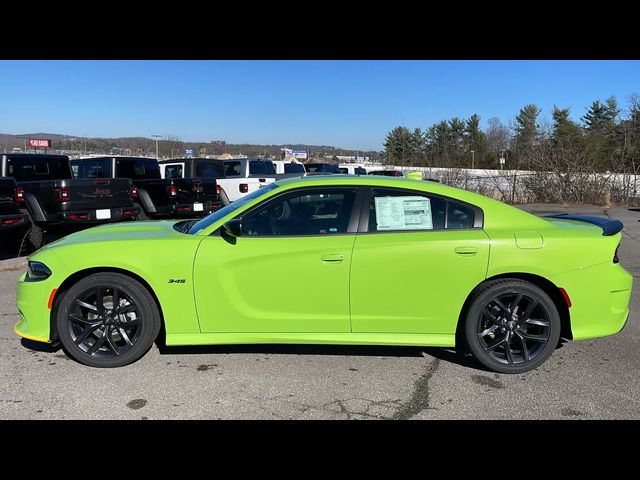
x=352 y=169
x=232 y=186
x=289 y=167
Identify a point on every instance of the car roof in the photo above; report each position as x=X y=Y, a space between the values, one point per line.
x=182 y=159
x=390 y=182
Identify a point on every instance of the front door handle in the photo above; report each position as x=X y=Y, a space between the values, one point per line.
x=466 y=250
x=332 y=257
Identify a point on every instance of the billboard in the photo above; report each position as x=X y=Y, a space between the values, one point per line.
x=188 y=153
x=299 y=154
x=39 y=143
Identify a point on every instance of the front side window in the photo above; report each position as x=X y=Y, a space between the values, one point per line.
x=315 y=212
x=232 y=207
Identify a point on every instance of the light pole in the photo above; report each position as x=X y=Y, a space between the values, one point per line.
x=473 y=156
x=156 y=137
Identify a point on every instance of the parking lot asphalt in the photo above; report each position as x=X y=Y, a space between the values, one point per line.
x=593 y=379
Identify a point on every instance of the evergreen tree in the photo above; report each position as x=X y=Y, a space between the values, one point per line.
x=397 y=146
x=596 y=117
x=526 y=126
x=456 y=135
x=417 y=144
x=476 y=139
x=564 y=129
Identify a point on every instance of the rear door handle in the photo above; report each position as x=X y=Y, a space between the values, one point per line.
x=332 y=257
x=466 y=250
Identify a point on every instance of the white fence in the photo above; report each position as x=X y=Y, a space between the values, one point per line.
x=523 y=186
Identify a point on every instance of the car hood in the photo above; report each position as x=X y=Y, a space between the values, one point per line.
x=126 y=231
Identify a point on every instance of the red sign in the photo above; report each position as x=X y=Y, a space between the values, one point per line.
x=39 y=143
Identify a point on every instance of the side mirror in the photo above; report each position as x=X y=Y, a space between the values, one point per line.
x=233 y=228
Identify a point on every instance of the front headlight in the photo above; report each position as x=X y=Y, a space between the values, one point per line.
x=37 y=271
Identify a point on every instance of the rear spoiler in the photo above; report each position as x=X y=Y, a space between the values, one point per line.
x=609 y=227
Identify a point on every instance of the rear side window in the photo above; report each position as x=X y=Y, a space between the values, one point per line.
x=400 y=210
x=259 y=167
x=209 y=169
x=137 y=168
x=38 y=168
x=459 y=215
x=94 y=168
x=232 y=169
x=173 y=171
x=293 y=168
x=396 y=210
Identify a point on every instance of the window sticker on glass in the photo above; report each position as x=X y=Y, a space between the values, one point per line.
x=403 y=213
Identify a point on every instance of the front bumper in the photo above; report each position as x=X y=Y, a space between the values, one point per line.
x=35 y=315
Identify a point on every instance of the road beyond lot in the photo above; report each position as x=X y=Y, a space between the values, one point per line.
x=593 y=379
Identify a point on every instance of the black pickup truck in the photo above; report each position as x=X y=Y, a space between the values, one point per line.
x=157 y=197
x=52 y=197
x=197 y=167
x=12 y=221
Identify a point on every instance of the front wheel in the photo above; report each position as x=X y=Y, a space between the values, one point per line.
x=512 y=326
x=107 y=320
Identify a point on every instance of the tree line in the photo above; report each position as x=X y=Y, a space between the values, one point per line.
x=562 y=152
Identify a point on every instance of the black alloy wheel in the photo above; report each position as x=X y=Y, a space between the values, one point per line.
x=104 y=322
x=512 y=326
x=107 y=320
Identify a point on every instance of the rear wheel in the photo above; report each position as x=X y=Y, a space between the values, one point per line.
x=107 y=320
x=512 y=326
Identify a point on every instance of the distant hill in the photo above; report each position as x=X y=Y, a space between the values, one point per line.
x=167 y=147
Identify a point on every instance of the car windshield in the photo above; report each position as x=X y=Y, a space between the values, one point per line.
x=214 y=217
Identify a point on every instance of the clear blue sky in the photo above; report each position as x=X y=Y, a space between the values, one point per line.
x=348 y=104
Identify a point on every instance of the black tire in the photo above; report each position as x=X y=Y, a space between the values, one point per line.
x=94 y=333
x=511 y=326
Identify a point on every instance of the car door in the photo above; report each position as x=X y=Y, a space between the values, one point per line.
x=288 y=271
x=414 y=262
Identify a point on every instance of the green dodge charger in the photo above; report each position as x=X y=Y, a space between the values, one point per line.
x=333 y=260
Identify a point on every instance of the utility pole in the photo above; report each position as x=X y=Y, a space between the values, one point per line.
x=156 y=137
x=473 y=156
